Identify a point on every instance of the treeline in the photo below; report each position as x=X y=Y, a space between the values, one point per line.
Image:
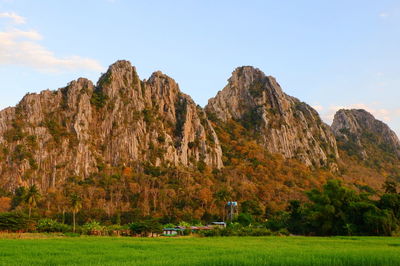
x=338 y=210
x=332 y=210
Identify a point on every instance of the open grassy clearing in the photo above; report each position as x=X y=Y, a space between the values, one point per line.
x=201 y=251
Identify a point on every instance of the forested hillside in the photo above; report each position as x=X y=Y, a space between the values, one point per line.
x=127 y=148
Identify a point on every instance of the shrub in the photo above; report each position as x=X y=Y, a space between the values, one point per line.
x=93 y=228
x=49 y=226
x=146 y=227
x=99 y=99
x=13 y=221
x=118 y=230
x=148 y=116
x=138 y=228
x=245 y=219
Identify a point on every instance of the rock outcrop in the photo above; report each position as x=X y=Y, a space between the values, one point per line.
x=83 y=128
x=283 y=123
x=360 y=132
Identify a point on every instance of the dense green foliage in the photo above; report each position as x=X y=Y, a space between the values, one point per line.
x=14 y=221
x=50 y=225
x=201 y=251
x=99 y=99
x=145 y=227
x=337 y=210
x=332 y=210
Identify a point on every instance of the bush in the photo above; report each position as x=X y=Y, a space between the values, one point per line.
x=93 y=228
x=51 y=226
x=146 y=227
x=13 y=221
x=245 y=219
x=118 y=230
x=187 y=232
x=99 y=99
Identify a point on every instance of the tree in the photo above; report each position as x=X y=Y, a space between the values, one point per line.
x=296 y=221
x=31 y=198
x=18 y=197
x=329 y=211
x=76 y=205
x=245 y=219
x=139 y=228
x=252 y=207
x=5 y=204
x=390 y=187
x=390 y=202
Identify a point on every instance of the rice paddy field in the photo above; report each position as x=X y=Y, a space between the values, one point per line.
x=53 y=250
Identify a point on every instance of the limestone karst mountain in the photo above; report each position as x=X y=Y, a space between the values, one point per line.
x=78 y=129
x=360 y=132
x=128 y=144
x=283 y=124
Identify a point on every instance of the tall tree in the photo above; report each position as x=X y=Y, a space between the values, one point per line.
x=76 y=205
x=32 y=197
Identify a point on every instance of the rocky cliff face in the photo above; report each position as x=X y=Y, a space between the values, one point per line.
x=362 y=135
x=83 y=128
x=282 y=123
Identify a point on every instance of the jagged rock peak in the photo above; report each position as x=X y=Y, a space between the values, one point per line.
x=121 y=65
x=120 y=76
x=247 y=74
x=355 y=124
x=286 y=125
x=80 y=83
x=163 y=84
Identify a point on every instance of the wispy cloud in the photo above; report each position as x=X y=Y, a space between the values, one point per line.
x=22 y=47
x=13 y=17
x=383 y=14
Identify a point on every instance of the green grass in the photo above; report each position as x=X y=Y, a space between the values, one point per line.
x=201 y=251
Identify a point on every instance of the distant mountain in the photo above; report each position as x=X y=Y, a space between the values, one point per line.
x=361 y=133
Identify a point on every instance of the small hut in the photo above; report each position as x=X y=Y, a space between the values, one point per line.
x=217 y=225
x=172 y=231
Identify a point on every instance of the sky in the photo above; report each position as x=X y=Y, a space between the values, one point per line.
x=330 y=54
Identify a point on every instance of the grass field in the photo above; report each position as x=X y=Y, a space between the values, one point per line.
x=201 y=251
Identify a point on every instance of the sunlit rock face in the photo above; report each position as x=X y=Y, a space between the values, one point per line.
x=121 y=121
x=283 y=123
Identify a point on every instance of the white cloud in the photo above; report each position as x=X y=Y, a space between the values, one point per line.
x=14 y=17
x=22 y=47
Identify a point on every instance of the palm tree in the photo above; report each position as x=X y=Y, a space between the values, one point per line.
x=76 y=205
x=31 y=198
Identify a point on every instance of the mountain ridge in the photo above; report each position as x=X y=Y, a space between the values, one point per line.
x=143 y=144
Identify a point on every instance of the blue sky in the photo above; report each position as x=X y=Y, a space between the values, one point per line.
x=330 y=54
